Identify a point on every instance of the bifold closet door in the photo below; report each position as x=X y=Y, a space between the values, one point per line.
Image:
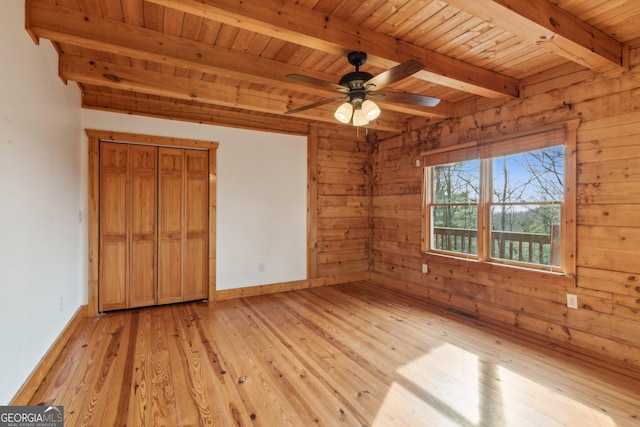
x=183 y=225
x=128 y=205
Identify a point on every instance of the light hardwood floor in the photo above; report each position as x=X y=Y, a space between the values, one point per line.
x=352 y=354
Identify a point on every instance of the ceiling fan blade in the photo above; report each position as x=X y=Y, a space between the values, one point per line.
x=322 y=83
x=317 y=104
x=408 y=98
x=394 y=74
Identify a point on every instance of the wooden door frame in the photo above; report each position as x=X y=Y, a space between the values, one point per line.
x=95 y=136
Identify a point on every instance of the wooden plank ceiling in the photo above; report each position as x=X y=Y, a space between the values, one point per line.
x=226 y=61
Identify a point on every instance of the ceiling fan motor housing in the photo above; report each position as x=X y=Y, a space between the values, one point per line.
x=355 y=82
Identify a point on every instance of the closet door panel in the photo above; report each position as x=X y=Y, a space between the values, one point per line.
x=113 y=189
x=197 y=225
x=170 y=273
x=195 y=283
x=114 y=251
x=142 y=286
x=171 y=218
x=113 y=275
x=113 y=201
x=142 y=290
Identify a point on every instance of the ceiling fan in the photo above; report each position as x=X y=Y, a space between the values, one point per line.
x=358 y=85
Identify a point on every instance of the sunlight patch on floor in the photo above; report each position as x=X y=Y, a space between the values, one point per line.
x=401 y=405
x=449 y=375
x=522 y=395
x=452 y=387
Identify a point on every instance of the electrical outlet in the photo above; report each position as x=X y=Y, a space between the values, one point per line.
x=425 y=268
x=261 y=267
x=572 y=300
x=61 y=303
x=418 y=162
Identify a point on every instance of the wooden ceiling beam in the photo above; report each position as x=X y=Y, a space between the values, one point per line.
x=545 y=24
x=316 y=30
x=191 y=112
x=123 y=77
x=63 y=25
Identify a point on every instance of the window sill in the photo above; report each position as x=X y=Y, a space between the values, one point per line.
x=516 y=275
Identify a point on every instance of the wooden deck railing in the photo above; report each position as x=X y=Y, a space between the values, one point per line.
x=515 y=246
x=455 y=239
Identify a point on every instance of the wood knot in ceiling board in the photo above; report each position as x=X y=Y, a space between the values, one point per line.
x=544 y=39
x=111 y=77
x=553 y=22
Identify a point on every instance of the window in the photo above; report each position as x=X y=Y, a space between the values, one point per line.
x=508 y=201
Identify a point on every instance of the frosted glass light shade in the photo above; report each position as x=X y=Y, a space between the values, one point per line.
x=343 y=113
x=358 y=118
x=370 y=110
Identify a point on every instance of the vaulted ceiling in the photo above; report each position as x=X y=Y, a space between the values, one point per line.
x=227 y=61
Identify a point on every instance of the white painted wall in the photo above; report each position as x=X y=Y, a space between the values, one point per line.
x=40 y=261
x=262 y=210
x=262 y=196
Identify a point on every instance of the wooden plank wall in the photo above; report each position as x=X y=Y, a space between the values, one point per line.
x=608 y=215
x=342 y=174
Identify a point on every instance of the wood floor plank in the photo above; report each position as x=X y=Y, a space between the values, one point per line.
x=163 y=406
x=355 y=354
x=302 y=344
x=64 y=373
x=192 y=389
x=81 y=410
x=226 y=397
x=140 y=387
x=104 y=385
x=272 y=397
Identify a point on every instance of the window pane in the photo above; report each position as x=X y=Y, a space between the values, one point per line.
x=456 y=182
x=526 y=233
x=536 y=176
x=455 y=228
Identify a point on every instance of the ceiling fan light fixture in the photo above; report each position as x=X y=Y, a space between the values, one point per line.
x=359 y=118
x=371 y=110
x=356 y=86
x=343 y=113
